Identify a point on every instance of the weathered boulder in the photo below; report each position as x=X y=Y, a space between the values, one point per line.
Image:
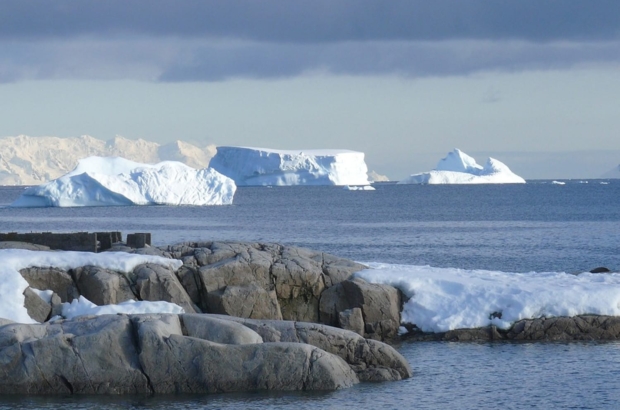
x=155 y=282
x=37 y=308
x=83 y=356
x=380 y=306
x=600 y=269
x=55 y=279
x=195 y=365
x=299 y=281
x=189 y=279
x=102 y=286
x=370 y=359
x=226 y=269
x=352 y=319
x=217 y=330
x=251 y=301
x=118 y=354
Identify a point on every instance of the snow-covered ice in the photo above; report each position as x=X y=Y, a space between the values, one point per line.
x=459 y=168
x=558 y=183
x=107 y=181
x=13 y=285
x=442 y=299
x=262 y=166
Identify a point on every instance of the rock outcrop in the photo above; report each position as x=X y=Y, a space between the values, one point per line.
x=190 y=353
x=552 y=329
x=248 y=280
x=379 y=307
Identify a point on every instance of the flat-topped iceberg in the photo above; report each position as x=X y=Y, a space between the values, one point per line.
x=106 y=181
x=261 y=166
x=459 y=168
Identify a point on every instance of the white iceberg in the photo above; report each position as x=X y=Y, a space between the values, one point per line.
x=443 y=299
x=105 y=181
x=260 y=166
x=459 y=168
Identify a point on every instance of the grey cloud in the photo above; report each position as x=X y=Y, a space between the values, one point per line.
x=176 y=60
x=316 y=21
x=399 y=58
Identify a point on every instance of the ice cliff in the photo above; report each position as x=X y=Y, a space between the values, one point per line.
x=102 y=181
x=261 y=166
x=459 y=168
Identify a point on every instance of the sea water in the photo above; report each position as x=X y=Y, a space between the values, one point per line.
x=539 y=226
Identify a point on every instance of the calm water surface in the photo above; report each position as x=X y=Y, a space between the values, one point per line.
x=534 y=227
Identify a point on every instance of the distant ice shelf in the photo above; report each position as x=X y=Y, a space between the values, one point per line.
x=459 y=168
x=106 y=181
x=262 y=166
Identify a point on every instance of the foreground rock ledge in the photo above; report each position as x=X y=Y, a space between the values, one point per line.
x=553 y=329
x=188 y=353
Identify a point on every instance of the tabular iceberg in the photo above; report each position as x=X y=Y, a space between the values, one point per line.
x=459 y=168
x=103 y=181
x=261 y=166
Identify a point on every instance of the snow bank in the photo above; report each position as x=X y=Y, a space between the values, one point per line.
x=261 y=166
x=13 y=285
x=105 y=181
x=442 y=299
x=459 y=168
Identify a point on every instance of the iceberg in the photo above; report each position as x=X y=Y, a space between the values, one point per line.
x=260 y=166
x=459 y=168
x=106 y=181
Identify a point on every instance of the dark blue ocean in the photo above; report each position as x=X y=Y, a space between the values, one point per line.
x=539 y=226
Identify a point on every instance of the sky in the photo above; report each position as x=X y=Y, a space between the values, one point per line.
x=533 y=83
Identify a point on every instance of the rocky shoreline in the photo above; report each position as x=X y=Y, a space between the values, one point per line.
x=257 y=316
x=252 y=321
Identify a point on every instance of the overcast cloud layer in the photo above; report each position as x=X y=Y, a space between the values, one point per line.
x=155 y=40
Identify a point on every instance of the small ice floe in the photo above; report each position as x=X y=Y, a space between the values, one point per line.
x=604 y=183
x=358 y=188
x=558 y=182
